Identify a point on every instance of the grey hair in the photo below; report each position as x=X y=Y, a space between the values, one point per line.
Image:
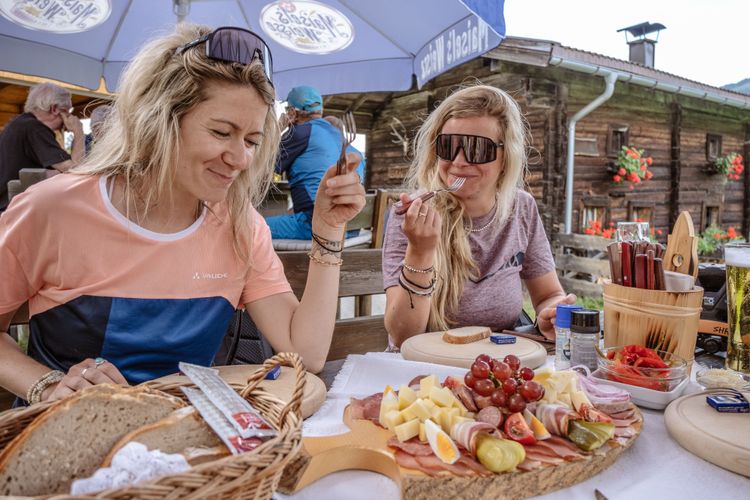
x=43 y=96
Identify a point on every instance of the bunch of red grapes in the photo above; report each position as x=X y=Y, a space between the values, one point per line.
x=506 y=384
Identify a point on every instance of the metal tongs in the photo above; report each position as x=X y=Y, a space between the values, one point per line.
x=401 y=208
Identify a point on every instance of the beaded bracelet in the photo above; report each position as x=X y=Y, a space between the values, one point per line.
x=34 y=394
x=420 y=271
x=314 y=258
x=410 y=291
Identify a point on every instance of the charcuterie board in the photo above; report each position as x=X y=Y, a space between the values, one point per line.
x=431 y=348
x=312 y=398
x=365 y=448
x=720 y=438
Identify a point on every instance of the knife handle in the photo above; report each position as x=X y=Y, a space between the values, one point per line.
x=615 y=263
x=650 y=269
x=640 y=271
x=659 y=274
x=627 y=268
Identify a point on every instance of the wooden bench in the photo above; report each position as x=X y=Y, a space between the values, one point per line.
x=361 y=274
x=582 y=264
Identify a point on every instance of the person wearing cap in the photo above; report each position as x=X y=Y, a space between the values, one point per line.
x=308 y=148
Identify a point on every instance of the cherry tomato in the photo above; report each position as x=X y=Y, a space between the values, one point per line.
x=484 y=387
x=531 y=391
x=469 y=379
x=518 y=430
x=499 y=398
x=512 y=361
x=516 y=403
x=526 y=373
x=501 y=370
x=480 y=369
x=484 y=357
x=509 y=386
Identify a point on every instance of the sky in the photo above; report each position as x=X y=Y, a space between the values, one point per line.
x=705 y=40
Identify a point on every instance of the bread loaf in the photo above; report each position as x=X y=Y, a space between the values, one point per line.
x=466 y=334
x=182 y=429
x=71 y=438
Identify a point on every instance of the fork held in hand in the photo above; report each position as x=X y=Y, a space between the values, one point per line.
x=401 y=208
x=349 y=133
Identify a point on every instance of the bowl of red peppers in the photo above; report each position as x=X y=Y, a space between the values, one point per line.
x=642 y=367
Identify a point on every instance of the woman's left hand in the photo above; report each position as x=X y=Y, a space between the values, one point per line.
x=340 y=197
x=546 y=317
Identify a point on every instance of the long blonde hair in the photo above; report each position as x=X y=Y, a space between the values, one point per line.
x=141 y=139
x=454 y=263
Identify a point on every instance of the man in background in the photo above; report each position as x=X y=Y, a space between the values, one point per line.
x=307 y=150
x=28 y=141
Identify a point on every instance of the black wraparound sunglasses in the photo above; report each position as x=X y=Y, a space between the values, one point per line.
x=477 y=149
x=237 y=45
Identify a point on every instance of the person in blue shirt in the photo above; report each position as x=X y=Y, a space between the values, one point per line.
x=307 y=150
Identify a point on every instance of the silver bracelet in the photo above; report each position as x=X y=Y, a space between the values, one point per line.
x=420 y=271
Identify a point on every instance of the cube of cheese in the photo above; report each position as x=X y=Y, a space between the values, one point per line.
x=428 y=403
x=422 y=435
x=426 y=384
x=406 y=396
x=388 y=403
x=418 y=410
x=407 y=430
x=447 y=418
x=460 y=406
x=442 y=396
x=392 y=419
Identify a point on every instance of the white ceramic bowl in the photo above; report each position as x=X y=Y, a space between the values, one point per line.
x=648 y=398
x=740 y=382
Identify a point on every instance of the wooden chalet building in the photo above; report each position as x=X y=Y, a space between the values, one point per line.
x=682 y=124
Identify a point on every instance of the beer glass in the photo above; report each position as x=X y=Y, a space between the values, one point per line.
x=632 y=231
x=737 y=259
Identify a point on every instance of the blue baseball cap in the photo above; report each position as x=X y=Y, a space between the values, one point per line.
x=305 y=98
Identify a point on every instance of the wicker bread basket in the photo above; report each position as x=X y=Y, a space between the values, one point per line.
x=252 y=475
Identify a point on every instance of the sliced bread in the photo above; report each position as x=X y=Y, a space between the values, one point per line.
x=182 y=429
x=71 y=438
x=466 y=334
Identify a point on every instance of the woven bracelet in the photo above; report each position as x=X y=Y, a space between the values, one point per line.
x=322 y=242
x=324 y=262
x=34 y=395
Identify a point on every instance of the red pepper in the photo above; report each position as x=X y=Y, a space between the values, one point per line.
x=648 y=362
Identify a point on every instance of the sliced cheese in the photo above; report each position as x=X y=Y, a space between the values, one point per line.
x=392 y=419
x=406 y=396
x=407 y=430
x=426 y=384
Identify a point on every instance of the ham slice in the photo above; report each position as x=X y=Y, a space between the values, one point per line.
x=556 y=417
x=367 y=408
x=529 y=465
x=562 y=448
x=413 y=446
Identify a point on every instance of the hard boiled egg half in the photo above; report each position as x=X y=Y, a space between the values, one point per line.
x=440 y=442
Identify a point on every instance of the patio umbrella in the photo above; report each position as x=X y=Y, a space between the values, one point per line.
x=337 y=46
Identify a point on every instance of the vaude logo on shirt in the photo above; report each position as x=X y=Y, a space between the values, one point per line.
x=210 y=276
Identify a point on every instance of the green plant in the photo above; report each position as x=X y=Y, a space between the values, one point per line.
x=713 y=238
x=632 y=166
x=729 y=165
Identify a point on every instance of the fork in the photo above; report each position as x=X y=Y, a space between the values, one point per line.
x=401 y=208
x=349 y=133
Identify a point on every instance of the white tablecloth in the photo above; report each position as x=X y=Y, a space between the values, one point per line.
x=655 y=466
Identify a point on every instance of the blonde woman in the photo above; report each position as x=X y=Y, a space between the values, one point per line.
x=459 y=258
x=137 y=259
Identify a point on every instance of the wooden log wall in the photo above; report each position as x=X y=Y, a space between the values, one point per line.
x=670 y=128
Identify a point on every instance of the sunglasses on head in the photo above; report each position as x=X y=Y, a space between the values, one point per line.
x=477 y=149
x=235 y=45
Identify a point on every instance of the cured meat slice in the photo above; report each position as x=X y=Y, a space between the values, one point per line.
x=490 y=415
x=408 y=461
x=413 y=446
x=556 y=417
x=367 y=408
x=529 y=465
x=433 y=463
x=465 y=396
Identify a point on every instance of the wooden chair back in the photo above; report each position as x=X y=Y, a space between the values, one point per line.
x=361 y=274
x=385 y=198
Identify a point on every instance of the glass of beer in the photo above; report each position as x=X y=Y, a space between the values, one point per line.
x=737 y=259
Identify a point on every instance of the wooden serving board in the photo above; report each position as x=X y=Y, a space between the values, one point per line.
x=365 y=448
x=312 y=398
x=431 y=348
x=720 y=438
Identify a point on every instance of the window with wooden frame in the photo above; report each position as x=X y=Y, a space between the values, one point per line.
x=642 y=211
x=594 y=209
x=711 y=215
x=617 y=137
x=713 y=146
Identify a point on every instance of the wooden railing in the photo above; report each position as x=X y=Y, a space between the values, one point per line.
x=582 y=264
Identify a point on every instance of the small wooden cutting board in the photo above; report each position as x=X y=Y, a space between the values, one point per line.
x=720 y=438
x=431 y=348
x=312 y=398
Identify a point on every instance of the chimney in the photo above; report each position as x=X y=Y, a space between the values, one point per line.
x=642 y=48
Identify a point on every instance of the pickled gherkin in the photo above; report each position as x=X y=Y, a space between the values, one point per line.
x=499 y=455
x=589 y=436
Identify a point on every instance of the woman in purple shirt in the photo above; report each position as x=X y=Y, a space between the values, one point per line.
x=459 y=258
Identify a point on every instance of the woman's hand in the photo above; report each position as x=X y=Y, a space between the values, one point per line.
x=85 y=374
x=339 y=198
x=422 y=226
x=546 y=317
